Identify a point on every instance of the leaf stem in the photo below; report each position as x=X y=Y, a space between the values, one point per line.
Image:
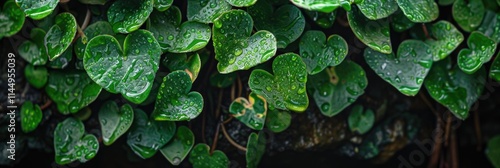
x=231 y=140
x=216 y=138
x=46 y=105
x=240 y=86
x=447 y=129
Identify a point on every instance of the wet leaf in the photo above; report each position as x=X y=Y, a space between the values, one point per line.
x=71 y=90
x=468 y=13
x=251 y=112
x=374 y=33
x=179 y=147
x=36 y=75
x=493 y=150
x=256 y=146
x=93 y=2
x=201 y=158
x=37 y=9
x=241 y=3
x=176 y=37
x=400 y=22
x=162 y=5
x=360 y=120
x=191 y=65
x=323 y=20
x=325 y=6
x=318 y=52
x=61 y=35
x=222 y=80
x=407 y=71
x=11 y=19
x=278 y=120
x=235 y=47
x=72 y=144
x=421 y=11
x=114 y=120
x=174 y=101
x=286 y=23
x=378 y=9
x=129 y=71
x=63 y=60
x=31 y=116
x=286 y=89
x=480 y=51
x=93 y=30
x=126 y=16
x=146 y=136
x=495 y=68
x=491 y=25
x=445 y=39
x=33 y=51
x=206 y=11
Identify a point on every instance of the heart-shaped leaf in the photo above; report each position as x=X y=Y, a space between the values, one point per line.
x=251 y=112
x=256 y=146
x=201 y=158
x=480 y=51
x=114 y=121
x=146 y=136
x=277 y=120
x=162 y=5
x=191 y=65
x=127 y=16
x=400 y=22
x=323 y=20
x=491 y=25
x=31 y=116
x=71 y=143
x=11 y=19
x=206 y=11
x=337 y=87
x=453 y=88
x=360 y=121
x=37 y=9
x=468 y=13
x=286 y=89
x=446 y=39
x=60 y=35
x=234 y=48
x=63 y=60
x=36 y=75
x=97 y=28
x=378 y=9
x=407 y=71
x=286 y=23
x=374 y=33
x=222 y=80
x=325 y=6
x=421 y=11
x=129 y=71
x=174 y=101
x=33 y=51
x=493 y=150
x=71 y=90
x=495 y=68
x=178 y=148
x=241 y=3
x=174 y=37
x=318 y=52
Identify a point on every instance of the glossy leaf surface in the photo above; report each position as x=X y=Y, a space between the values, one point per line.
x=318 y=52
x=72 y=144
x=31 y=116
x=251 y=112
x=114 y=121
x=374 y=33
x=179 y=147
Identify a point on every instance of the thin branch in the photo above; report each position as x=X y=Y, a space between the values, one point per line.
x=447 y=129
x=231 y=140
x=228 y=120
x=424 y=28
x=240 y=86
x=428 y=103
x=454 y=150
x=46 y=105
x=216 y=138
x=86 y=22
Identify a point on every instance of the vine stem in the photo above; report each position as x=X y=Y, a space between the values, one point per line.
x=79 y=28
x=231 y=141
x=46 y=105
x=216 y=138
x=424 y=28
x=436 y=149
x=240 y=86
x=454 y=150
x=228 y=120
x=447 y=129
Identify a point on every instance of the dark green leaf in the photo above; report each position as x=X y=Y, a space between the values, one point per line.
x=71 y=143
x=480 y=51
x=206 y=11
x=37 y=9
x=63 y=60
x=323 y=20
x=493 y=151
x=61 y=35
x=11 y=19
x=400 y=22
x=114 y=121
x=325 y=6
x=31 y=116
x=241 y=3
x=491 y=25
x=468 y=13
x=251 y=112
x=278 y=120
x=446 y=38
x=360 y=121
x=495 y=68
x=201 y=158
x=126 y=16
x=421 y=11
x=36 y=75
x=318 y=52
x=378 y=9
x=256 y=146
x=162 y=5
x=191 y=65
x=374 y=33
x=178 y=148
x=33 y=51
x=97 y=28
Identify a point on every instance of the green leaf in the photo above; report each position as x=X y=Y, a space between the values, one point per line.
x=222 y=80
x=378 y=9
x=400 y=22
x=407 y=71
x=453 y=88
x=174 y=37
x=491 y=25
x=206 y=11
x=33 y=51
x=93 y=30
x=114 y=121
x=468 y=13
x=286 y=22
x=256 y=146
x=47 y=22
x=11 y=19
x=480 y=51
x=495 y=68
x=493 y=151
x=178 y=148
x=325 y=6
x=234 y=48
x=129 y=71
x=323 y=20
x=360 y=121
x=445 y=2
x=63 y=60
x=146 y=136
x=83 y=114
x=36 y=75
x=174 y=101
x=337 y=87
x=162 y=5
x=318 y=52
x=277 y=120
x=374 y=33
x=71 y=90
x=201 y=158
x=31 y=116
x=241 y=3
x=127 y=16
x=61 y=35
x=36 y=9
x=421 y=11
x=71 y=143
x=93 y=2
x=251 y=112
x=191 y=65
x=286 y=89
x=445 y=39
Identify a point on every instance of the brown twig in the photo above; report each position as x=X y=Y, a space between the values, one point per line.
x=216 y=138
x=46 y=105
x=231 y=140
x=86 y=22
x=428 y=103
x=436 y=149
x=424 y=28
x=447 y=129
x=454 y=150
x=228 y=120
x=477 y=125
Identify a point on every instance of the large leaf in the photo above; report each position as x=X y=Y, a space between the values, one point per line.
x=201 y=158
x=93 y=30
x=256 y=146
x=11 y=19
x=31 y=116
x=114 y=121
x=71 y=143
x=374 y=33
x=420 y=11
x=37 y=9
x=206 y=11
x=491 y=25
x=33 y=51
x=178 y=148
x=251 y=112
x=318 y=52
x=325 y=6
x=378 y=9
x=480 y=51
x=468 y=13
x=127 y=16
x=61 y=35
x=445 y=39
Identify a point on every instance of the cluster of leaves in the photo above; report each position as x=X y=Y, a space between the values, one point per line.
x=122 y=49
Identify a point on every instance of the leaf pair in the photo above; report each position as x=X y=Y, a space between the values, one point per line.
x=71 y=143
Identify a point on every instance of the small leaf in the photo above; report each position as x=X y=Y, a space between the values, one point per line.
x=421 y=11
x=446 y=38
x=206 y=11
x=277 y=120
x=36 y=75
x=400 y=22
x=31 y=116
x=33 y=51
x=191 y=65
x=468 y=13
x=61 y=35
x=256 y=146
x=360 y=121
x=146 y=137
x=222 y=80
x=286 y=89
x=480 y=51
x=251 y=112
x=178 y=148
x=11 y=19
x=127 y=16
x=378 y=9
x=325 y=6
x=323 y=20
x=114 y=121
x=93 y=30
x=495 y=68
x=162 y=5
x=36 y=9
x=318 y=52
x=493 y=150
x=234 y=48
x=407 y=71
x=201 y=158
x=63 y=60
x=374 y=33
x=491 y=25
x=174 y=101
x=71 y=143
